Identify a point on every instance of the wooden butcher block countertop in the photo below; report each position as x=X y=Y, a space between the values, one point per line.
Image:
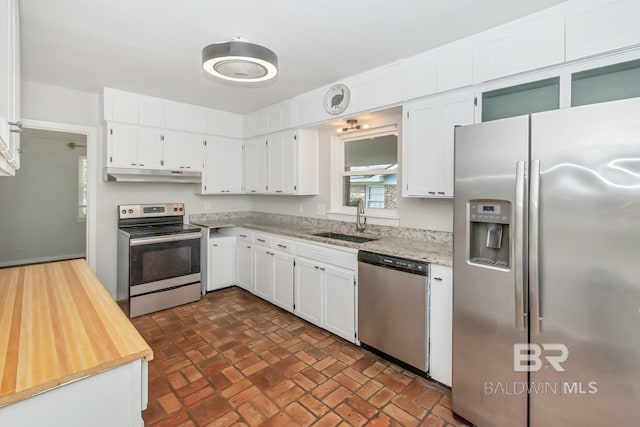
x=58 y=324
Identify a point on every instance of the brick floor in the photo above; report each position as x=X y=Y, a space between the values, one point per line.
x=234 y=359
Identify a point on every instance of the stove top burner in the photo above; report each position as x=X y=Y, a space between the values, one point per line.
x=158 y=230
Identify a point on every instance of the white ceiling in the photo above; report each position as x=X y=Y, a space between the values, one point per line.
x=154 y=47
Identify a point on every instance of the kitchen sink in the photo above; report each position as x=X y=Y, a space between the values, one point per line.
x=345 y=237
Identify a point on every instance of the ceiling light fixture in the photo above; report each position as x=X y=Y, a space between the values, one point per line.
x=353 y=125
x=240 y=61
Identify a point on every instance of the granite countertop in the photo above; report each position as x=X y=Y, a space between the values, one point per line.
x=430 y=251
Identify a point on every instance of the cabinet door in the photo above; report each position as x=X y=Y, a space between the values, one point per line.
x=175 y=115
x=454 y=65
x=125 y=107
x=598 y=26
x=339 y=302
x=289 y=162
x=283 y=280
x=457 y=110
x=150 y=148
x=151 y=112
x=275 y=162
x=193 y=151
x=222 y=261
x=263 y=272
x=123 y=146
x=214 y=171
x=251 y=165
x=440 y=323
x=244 y=265
x=5 y=74
x=308 y=294
x=420 y=149
x=233 y=165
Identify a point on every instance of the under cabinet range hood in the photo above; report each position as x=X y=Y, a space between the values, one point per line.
x=151 y=175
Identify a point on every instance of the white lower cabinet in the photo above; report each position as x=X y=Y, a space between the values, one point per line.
x=263 y=272
x=244 y=265
x=308 y=291
x=222 y=262
x=273 y=274
x=283 y=280
x=440 y=323
x=325 y=296
x=315 y=282
x=339 y=302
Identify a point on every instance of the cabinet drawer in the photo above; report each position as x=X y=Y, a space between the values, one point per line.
x=262 y=239
x=336 y=257
x=244 y=235
x=283 y=245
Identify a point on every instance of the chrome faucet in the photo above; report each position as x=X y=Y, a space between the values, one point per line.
x=360 y=226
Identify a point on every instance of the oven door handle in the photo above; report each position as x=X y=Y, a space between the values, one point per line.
x=162 y=239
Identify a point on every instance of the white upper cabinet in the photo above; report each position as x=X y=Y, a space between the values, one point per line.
x=135 y=109
x=308 y=107
x=10 y=126
x=196 y=119
x=530 y=43
x=454 y=65
x=598 y=26
x=420 y=75
x=255 y=166
x=223 y=166
x=183 y=151
x=122 y=142
x=224 y=124
x=175 y=115
x=124 y=107
x=253 y=124
x=293 y=165
x=428 y=143
x=375 y=88
x=151 y=112
x=151 y=143
x=277 y=117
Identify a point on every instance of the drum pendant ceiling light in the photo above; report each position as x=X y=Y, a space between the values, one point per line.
x=240 y=61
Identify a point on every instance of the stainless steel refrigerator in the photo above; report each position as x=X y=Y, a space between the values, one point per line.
x=546 y=286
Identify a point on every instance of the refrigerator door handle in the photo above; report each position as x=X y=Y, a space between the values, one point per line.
x=534 y=274
x=519 y=245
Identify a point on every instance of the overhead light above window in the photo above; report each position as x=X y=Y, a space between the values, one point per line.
x=353 y=125
x=239 y=60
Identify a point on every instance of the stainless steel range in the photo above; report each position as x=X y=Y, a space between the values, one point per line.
x=158 y=258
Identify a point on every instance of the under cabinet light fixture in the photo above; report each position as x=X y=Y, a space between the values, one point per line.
x=239 y=60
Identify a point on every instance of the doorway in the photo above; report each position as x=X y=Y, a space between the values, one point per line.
x=46 y=200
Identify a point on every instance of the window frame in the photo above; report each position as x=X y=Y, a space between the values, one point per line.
x=340 y=212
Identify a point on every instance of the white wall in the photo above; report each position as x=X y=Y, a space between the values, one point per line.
x=55 y=104
x=40 y=219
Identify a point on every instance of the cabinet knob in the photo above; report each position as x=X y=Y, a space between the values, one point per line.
x=431 y=192
x=437 y=278
x=215 y=245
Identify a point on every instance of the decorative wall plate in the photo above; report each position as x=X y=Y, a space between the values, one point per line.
x=337 y=99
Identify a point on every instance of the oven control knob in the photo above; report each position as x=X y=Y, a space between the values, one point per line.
x=175 y=209
x=180 y=209
x=124 y=211
x=130 y=211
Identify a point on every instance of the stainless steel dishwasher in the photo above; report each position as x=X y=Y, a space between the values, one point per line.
x=392 y=307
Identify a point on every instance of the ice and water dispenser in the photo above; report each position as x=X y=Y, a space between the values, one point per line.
x=489 y=222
